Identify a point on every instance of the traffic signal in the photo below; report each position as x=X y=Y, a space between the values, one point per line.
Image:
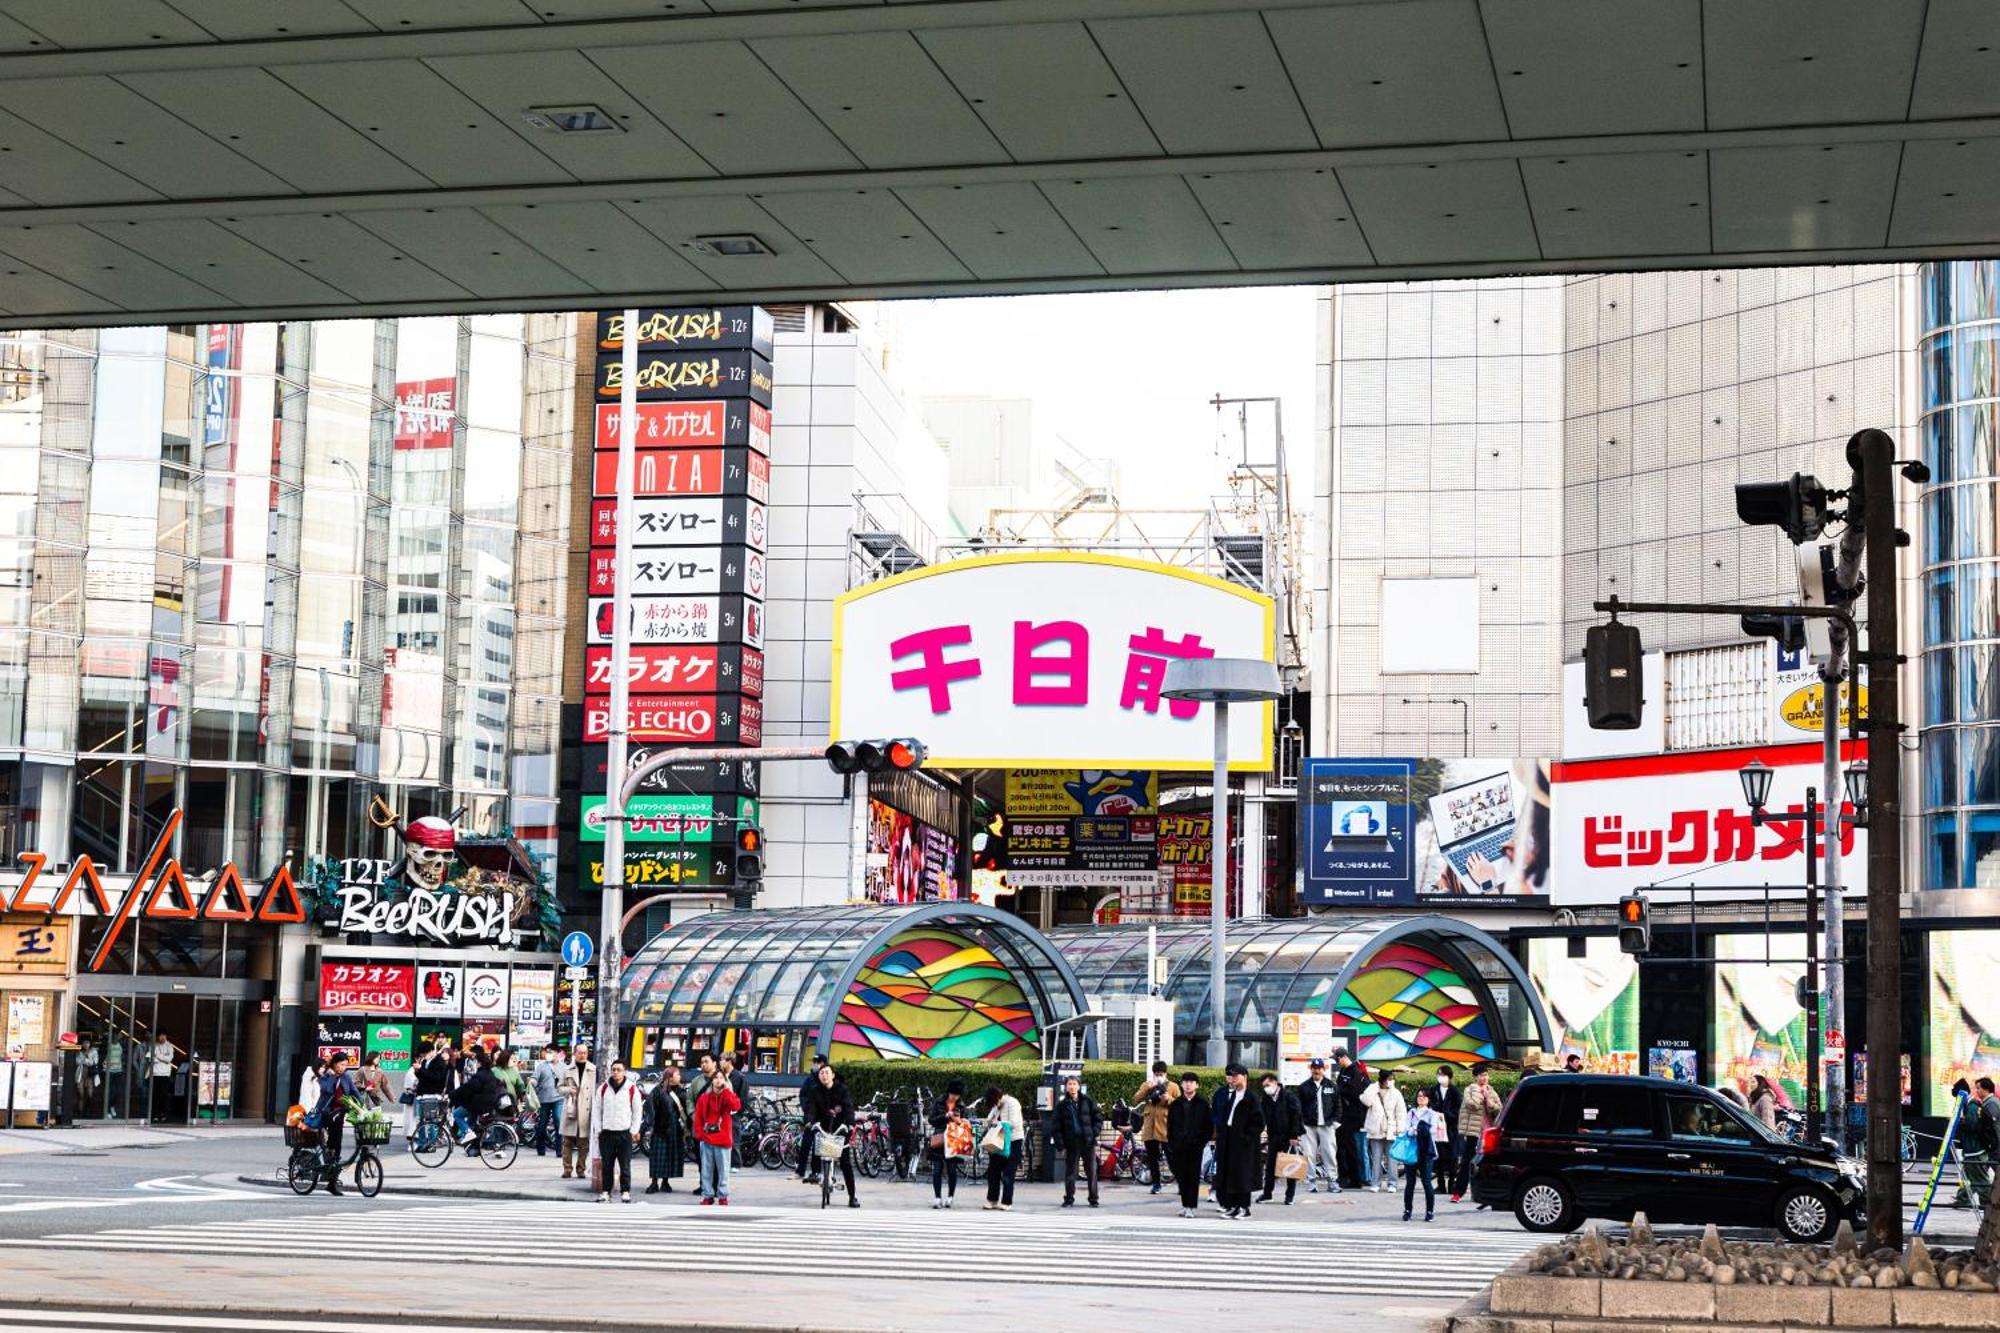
x=1798 y=505
x=1614 y=692
x=899 y=752
x=1789 y=631
x=749 y=854
x=1635 y=929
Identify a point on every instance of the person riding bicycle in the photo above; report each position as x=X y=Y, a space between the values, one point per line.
x=336 y=1085
x=475 y=1100
x=833 y=1112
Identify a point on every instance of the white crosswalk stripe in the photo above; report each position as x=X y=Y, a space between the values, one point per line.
x=1435 y=1262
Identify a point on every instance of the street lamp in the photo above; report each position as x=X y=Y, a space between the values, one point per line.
x=1221 y=681
x=1856 y=783
x=1756 y=778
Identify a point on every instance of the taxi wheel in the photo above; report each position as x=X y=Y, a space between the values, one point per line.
x=1544 y=1204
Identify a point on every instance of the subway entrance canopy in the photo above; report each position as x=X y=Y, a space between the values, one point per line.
x=169 y=160
x=1409 y=990
x=857 y=981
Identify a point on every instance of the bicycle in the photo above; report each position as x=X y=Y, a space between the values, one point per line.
x=828 y=1145
x=495 y=1141
x=430 y=1140
x=308 y=1167
x=779 y=1148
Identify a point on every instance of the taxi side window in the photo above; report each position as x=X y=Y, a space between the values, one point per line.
x=1615 y=1112
x=1699 y=1119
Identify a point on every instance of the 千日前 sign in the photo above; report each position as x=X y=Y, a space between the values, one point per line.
x=1046 y=661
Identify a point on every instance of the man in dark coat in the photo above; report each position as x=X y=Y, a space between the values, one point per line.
x=809 y=1109
x=1190 y=1125
x=1447 y=1101
x=1283 y=1129
x=1239 y=1142
x=1352 y=1080
x=1074 y=1125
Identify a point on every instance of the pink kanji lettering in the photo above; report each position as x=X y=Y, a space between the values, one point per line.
x=1146 y=671
x=1687 y=838
x=1735 y=836
x=936 y=674
x=1071 y=669
x=1604 y=841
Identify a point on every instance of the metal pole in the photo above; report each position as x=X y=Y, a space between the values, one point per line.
x=1833 y=981
x=1813 y=1121
x=1872 y=455
x=611 y=961
x=1218 y=887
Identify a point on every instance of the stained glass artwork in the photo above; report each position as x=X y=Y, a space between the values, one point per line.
x=1406 y=1005
x=933 y=994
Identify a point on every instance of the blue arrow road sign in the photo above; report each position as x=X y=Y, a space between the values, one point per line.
x=577 y=948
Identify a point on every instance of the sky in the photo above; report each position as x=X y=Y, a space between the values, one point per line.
x=1127 y=375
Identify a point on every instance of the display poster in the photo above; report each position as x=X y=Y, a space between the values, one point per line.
x=1184 y=851
x=908 y=860
x=340 y=1034
x=1482 y=831
x=33 y=1080
x=27 y=1017
x=489 y=1033
x=204 y=1084
x=486 y=992
x=1759 y=1026
x=440 y=991
x=7 y=1068
x=1964 y=1015
x=366 y=988
x=1303 y=1038
x=533 y=1003
x=1089 y=827
x=1592 y=999
x=1675 y=1061
x=1354 y=830
x=225 y=1083
x=391 y=1041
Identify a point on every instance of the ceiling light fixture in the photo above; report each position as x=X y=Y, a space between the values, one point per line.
x=580 y=119
x=737 y=246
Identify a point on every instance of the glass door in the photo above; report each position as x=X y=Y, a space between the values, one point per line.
x=120 y=1031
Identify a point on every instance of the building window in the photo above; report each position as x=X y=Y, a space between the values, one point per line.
x=1430 y=625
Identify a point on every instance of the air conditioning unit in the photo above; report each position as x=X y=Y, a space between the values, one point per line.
x=1140 y=1031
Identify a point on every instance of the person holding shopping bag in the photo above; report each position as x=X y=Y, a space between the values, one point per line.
x=951 y=1143
x=1002 y=1137
x=1418 y=1150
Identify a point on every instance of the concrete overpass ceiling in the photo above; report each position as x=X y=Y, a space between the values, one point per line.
x=181 y=159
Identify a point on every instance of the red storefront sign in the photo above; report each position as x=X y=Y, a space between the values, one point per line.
x=367 y=988
x=686 y=472
x=707 y=719
x=674 y=669
x=424 y=413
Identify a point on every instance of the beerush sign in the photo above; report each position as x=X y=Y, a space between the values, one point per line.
x=160 y=891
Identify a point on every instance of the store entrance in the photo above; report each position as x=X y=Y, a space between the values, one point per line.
x=213 y=1066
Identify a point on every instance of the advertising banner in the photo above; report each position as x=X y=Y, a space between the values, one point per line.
x=1050 y=660
x=686 y=571
x=1679 y=819
x=425 y=412
x=665 y=472
x=486 y=991
x=1184 y=849
x=719 y=777
x=666 y=376
x=711 y=424
x=908 y=860
x=1592 y=1000
x=672 y=669
x=440 y=991
x=1303 y=1038
x=1355 y=826
x=684 y=620
x=339 y=1035
x=366 y=988
x=710 y=865
x=700 y=521
x=678 y=818
x=1759 y=1026
x=391 y=1041
x=1964 y=1022
x=533 y=1000
x=1080 y=820
x=692 y=328
x=682 y=719
x=1798 y=699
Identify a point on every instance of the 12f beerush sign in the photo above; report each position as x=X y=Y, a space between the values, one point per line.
x=666 y=376
x=725 y=328
x=160 y=891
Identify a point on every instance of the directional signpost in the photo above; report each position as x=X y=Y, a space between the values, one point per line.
x=577 y=950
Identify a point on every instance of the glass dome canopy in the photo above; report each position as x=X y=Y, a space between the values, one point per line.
x=1412 y=989
x=856 y=980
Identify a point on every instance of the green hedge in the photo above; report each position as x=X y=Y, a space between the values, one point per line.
x=1109 y=1080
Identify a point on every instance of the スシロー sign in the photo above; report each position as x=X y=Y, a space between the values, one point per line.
x=723 y=777
x=367 y=988
x=699 y=521
x=1047 y=661
x=687 y=571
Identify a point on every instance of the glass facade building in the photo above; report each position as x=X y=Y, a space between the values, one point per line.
x=264 y=573
x=1960 y=430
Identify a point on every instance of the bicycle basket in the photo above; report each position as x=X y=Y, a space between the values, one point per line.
x=374 y=1133
x=298 y=1136
x=828 y=1147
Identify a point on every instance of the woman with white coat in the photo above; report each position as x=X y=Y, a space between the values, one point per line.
x=1386 y=1114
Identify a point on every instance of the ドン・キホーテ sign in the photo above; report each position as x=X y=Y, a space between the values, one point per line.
x=1046 y=661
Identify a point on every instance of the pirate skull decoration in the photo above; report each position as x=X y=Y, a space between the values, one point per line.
x=428 y=849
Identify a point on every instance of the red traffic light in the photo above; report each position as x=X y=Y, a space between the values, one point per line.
x=1633 y=910
x=749 y=839
x=902 y=754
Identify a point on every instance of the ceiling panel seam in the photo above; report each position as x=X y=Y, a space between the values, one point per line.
x=639 y=104
x=1285 y=67
x=370 y=139
x=1124 y=89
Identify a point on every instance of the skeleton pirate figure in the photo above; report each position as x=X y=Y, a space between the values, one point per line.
x=430 y=845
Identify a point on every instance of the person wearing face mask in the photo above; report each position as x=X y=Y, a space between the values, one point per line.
x=617 y=1115
x=1282 y=1128
x=1239 y=1141
x=835 y=1111
x=1190 y=1125
x=1481 y=1109
x=1448 y=1101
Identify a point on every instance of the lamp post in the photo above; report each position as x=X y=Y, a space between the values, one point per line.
x=1220 y=681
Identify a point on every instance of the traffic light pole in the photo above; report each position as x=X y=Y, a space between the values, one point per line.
x=611 y=954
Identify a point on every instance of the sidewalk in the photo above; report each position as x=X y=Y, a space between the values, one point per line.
x=116 y=1134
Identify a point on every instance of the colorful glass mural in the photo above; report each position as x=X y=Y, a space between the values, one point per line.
x=1406 y=1004
x=933 y=994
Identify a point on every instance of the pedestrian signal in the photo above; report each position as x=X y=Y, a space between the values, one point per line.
x=749 y=854
x=1635 y=930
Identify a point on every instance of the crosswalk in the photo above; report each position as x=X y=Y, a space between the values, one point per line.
x=44 y=1319
x=1435 y=1263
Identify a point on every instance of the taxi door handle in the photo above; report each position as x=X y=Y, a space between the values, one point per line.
x=1586 y=1150
x=1677 y=1157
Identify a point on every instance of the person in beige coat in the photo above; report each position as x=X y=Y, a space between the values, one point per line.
x=1386 y=1114
x=1153 y=1102
x=579 y=1092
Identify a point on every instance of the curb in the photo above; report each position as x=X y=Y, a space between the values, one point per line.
x=267 y=1182
x=298 y=1313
